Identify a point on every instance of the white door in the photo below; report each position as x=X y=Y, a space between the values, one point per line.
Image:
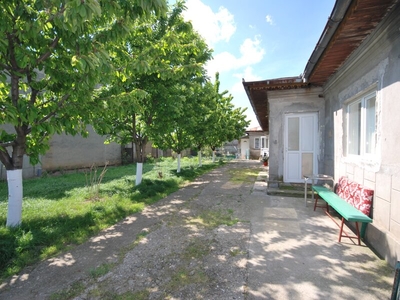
x=300 y=146
x=244 y=149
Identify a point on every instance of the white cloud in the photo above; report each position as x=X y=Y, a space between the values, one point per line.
x=220 y=27
x=222 y=62
x=251 y=53
x=269 y=20
x=214 y=27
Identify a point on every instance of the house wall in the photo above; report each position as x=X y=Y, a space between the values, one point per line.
x=282 y=102
x=374 y=65
x=252 y=135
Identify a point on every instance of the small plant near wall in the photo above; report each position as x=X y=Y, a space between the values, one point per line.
x=265 y=160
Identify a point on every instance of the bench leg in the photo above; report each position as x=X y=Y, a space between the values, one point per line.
x=363 y=228
x=341 y=230
x=316 y=203
x=345 y=234
x=358 y=234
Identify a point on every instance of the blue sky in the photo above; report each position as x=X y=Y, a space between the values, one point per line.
x=258 y=39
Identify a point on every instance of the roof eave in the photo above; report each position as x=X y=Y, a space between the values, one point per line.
x=336 y=17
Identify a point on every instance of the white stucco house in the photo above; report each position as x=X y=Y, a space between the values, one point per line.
x=254 y=144
x=341 y=116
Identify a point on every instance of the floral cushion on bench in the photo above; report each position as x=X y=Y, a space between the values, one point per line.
x=355 y=194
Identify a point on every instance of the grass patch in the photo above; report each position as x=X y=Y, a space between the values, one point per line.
x=141 y=295
x=185 y=276
x=58 y=213
x=236 y=251
x=196 y=249
x=107 y=295
x=243 y=175
x=73 y=291
x=214 y=218
x=101 y=270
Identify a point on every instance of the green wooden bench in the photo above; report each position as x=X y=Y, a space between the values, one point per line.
x=346 y=210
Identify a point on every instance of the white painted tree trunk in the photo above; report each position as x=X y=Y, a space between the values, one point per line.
x=178 y=170
x=139 y=173
x=200 y=162
x=213 y=160
x=14 y=181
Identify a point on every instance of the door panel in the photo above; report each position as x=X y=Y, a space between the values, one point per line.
x=307 y=133
x=293 y=134
x=293 y=160
x=307 y=163
x=301 y=144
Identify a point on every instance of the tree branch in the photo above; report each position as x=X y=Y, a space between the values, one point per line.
x=60 y=13
x=48 y=53
x=4 y=67
x=34 y=92
x=54 y=42
x=7 y=144
x=5 y=158
x=52 y=114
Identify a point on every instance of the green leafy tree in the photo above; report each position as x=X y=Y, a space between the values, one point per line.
x=169 y=53
x=204 y=109
x=52 y=55
x=171 y=128
x=218 y=121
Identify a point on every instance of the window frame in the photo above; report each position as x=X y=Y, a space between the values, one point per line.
x=262 y=141
x=257 y=139
x=362 y=100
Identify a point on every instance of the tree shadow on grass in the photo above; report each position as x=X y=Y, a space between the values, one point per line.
x=25 y=244
x=59 y=186
x=43 y=237
x=190 y=173
x=150 y=191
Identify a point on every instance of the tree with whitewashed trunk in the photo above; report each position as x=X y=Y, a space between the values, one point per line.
x=169 y=51
x=172 y=129
x=203 y=108
x=52 y=55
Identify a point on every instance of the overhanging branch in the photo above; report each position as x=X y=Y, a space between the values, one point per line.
x=5 y=158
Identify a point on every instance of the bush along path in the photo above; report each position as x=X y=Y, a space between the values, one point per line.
x=193 y=244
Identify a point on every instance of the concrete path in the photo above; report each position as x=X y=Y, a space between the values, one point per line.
x=293 y=251
x=294 y=254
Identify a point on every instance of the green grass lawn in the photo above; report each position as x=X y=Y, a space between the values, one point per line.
x=60 y=211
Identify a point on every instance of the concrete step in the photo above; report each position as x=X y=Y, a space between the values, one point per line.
x=279 y=188
x=287 y=193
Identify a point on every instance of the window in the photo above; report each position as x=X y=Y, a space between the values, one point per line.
x=264 y=142
x=361 y=126
x=256 y=143
x=260 y=143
